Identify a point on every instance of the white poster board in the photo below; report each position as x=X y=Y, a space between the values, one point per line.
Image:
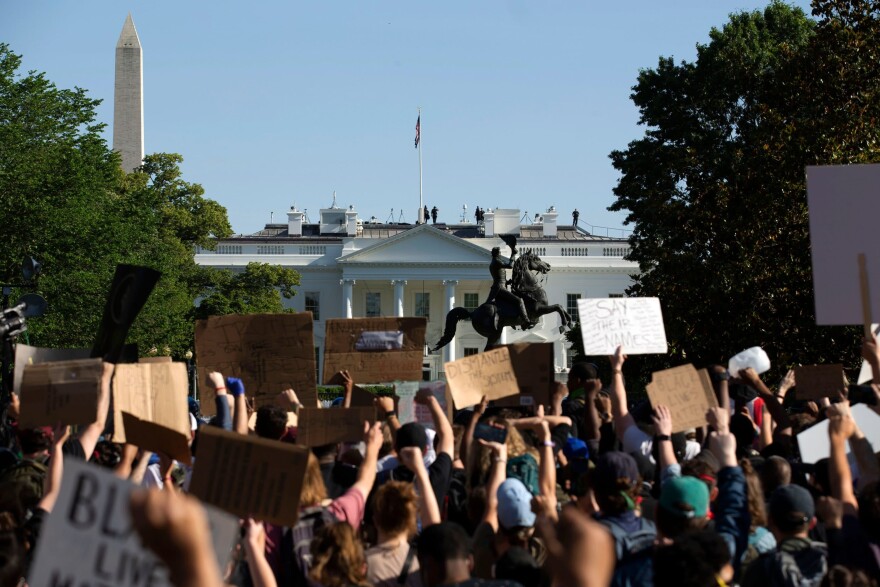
x=636 y=324
x=88 y=539
x=815 y=445
x=866 y=374
x=844 y=201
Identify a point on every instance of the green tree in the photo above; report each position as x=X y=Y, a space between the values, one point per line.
x=258 y=289
x=716 y=187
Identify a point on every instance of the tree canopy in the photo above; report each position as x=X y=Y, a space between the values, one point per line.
x=68 y=204
x=716 y=188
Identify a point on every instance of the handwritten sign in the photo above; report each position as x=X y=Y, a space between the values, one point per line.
x=151 y=392
x=490 y=374
x=375 y=350
x=249 y=476
x=269 y=352
x=422 y=414
x=533 y=364
x=686 y=392
x=65 y=392
x=818 y=381
x=89 y=538
x=636 y=324
x=318 y=426
x=34 y=355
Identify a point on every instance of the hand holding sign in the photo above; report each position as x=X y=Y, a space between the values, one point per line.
x=636 y=323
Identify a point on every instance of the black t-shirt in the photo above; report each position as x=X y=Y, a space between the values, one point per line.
x=440 y=474
x=72 y=447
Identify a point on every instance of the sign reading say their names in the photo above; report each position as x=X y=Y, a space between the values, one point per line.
x=636 y=324
x=375 y=350
x=249 y=476
x=843 y=207
x=686 y=392
x=490 y=374
x=268 y=352
x=89 y=539
x=65 y=392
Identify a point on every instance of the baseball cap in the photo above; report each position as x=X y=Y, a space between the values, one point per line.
x=612 y=466
x=411 y=434
x=687 y=497
x=515 y=505
x=791 y=506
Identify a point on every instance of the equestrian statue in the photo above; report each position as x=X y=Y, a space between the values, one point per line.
x=521 y=305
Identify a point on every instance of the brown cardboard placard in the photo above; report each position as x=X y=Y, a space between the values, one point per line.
x=292 y=420
x=62 y=391
x=153 y=392
x=34 y=355
x=374 y=366
x=490 y=374
x=157 y=438
x=533 y=364
x=686 y=393
x=268 y=352
x=249 y=476
x=154 y=360
x=319 y=426
x=817 y=381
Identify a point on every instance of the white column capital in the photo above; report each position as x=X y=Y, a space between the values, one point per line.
x=450 y=282
x=347 y=281
x=398 y=282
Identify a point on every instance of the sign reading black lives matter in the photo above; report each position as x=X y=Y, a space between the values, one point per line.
x=636 y=324
x=89 y=539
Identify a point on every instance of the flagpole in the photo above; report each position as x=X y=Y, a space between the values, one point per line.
x=421 y=202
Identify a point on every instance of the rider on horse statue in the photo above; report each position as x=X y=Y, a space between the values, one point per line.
x=499 y=289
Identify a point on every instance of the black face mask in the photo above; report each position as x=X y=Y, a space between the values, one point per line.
x=742 y=392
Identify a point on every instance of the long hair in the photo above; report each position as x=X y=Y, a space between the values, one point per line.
x=338 y=557
x=481 y=458
x=757 y=509
x=314 y=491
x=395 y=508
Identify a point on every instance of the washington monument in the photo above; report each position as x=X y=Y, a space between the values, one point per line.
x=128 y=98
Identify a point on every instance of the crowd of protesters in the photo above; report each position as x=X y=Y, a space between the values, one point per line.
x=586 y=491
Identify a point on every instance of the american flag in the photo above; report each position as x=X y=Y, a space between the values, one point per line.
x=418 y=130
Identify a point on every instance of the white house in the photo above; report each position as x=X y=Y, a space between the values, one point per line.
x=352 y=268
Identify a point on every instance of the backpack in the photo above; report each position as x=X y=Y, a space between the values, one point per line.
x=26 y=479
x=803 y=568
x=296 y=543
x=635 y=553
x=525 y=468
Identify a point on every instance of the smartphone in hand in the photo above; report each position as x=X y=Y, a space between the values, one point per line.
x=490 y=433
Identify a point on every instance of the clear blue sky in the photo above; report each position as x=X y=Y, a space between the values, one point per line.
x=276 y=102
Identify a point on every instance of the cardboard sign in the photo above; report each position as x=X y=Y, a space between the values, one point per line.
x=34 y=355
x=249 y=476
x=422 y=414
x=372 y=350
x=89 y=538
x=128 y=293
x=65 y=392
x=686 y=392
x=268 y=352
x=490 y=374
x=154 y=360
x=151 y=392
x=818 y=381
x=842 y=203
x=318 y=426
x=815 y=445
x=157 y=438
x=636 y=324
x=533 y=364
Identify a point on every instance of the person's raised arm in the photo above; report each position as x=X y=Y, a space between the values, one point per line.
x=663 y=427
x=429 y=511
x=137 y=473
x=221 y=401
x=445 y=436
x=580 y=551
x=467 y=439
x=385 y=404
x=497 y=475
x=840 y=428
x=52 y=480
x=255 y=554
x=372 y=444
x=123 y=469
x=88 y=438
x=623 y=420
x=731 y=511
x=547 y=470
x=783 y=424
x=347 y=388
x=240 y=414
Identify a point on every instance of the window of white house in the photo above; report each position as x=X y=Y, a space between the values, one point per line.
x=313 y=304
x=470 y=350
x=571 y=305
x=471 y=301
x=423 y=304
x=373 y=304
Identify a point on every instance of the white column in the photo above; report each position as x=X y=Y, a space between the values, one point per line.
x=503 y=339
x=449 y=303
x=399 y=285
x=347 y=294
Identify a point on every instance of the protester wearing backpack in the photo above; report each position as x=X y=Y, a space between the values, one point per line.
x=797 y=561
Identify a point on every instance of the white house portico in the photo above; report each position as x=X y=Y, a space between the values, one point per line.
x=351 y=268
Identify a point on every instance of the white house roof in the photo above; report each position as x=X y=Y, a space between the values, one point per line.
x=424 y=245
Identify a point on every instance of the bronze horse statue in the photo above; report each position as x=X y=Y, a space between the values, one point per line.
x=491 y=317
